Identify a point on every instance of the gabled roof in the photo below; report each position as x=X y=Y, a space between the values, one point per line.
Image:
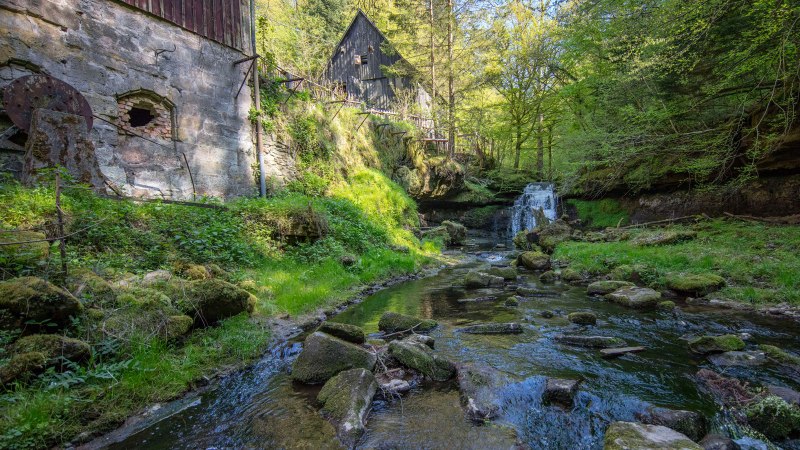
x=361 y=13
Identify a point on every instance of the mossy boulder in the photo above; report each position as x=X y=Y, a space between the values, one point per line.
x=548 y=277
x=480 y=387
x=145 y=311
x=716 y=344
x=347 y=332
x=663 y=238
x=690 y=423
x=346 y=400
x=457 y=232
x=512 y=301
x=176 y=326
x=626 y=272
x=553 y=234
x=324 y=356
x=635 y=297
x=569 y=274
x=631 y=435
x=781 y=357
x=196 y=272
x=493 y=328
x=212 y=300
x=774 y=417
x=521 y=242
x=392 y=322
x=437 y=234
x=582 y=318
x=695 y=284
x=534 y=260
x=85 y=284
x=604 y=287
x=477 y=280
x=55 y=347
x=666 y=305
x=506 y=273
x=22 y=366
x=591 y=341
x=24 y=255
x=422 y=358
x=30 y=303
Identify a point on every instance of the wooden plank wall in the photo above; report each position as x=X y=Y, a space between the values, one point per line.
x=219 y=20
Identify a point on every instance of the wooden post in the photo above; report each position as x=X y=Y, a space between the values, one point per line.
x=262 y=176
x=60 y=216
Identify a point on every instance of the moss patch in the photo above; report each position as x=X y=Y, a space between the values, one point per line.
x=716 y=344
x=695 y=284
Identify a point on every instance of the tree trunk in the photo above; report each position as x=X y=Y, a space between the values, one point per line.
x=540 y=148
x=451 y=96
x=433 y=58
x=550 y=154
x=517 y=147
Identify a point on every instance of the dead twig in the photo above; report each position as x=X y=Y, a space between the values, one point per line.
x=665 y=221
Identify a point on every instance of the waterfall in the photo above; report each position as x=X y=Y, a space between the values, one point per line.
x=536 y=196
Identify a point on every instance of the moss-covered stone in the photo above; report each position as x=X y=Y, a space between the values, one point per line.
x=506 y=273
x=347 y=332
x=521 y=242
x=22 y=366
x=392 y=322
x=695 y=284
x=569 y=274
x=534 y=260
x=553 y=234
x=177 y=326
x=54 y=347
x=420 y=357
x=512 y=301
x=457 y=232
x=212 y=300
x=437 y=234
x=716 y=344
x=628 y=272
x=663 y=238
x=196 y=272
x=781 y=356
x=635 y=297
x=493 y=328
x=324 y=356
x=548 y=277
x=591 y=341
x=476 y=280
x=26 y=302
x=480 y=387
x=346 y=400
x=604 y=287
x=85 y=284
x=631 y=435
x=25 y=255
x=582 y=318
x=666 y=305
x=143 y=298
x=774 y=417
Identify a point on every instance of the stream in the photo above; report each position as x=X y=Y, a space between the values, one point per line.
x=262 y=408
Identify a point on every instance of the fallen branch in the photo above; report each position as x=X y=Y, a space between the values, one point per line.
x=663 y=221
x=410 y=330
x=786 y=220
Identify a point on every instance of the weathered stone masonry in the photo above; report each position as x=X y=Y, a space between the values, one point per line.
x=182 y=86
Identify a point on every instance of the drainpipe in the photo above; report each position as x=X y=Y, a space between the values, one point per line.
x=262 y=178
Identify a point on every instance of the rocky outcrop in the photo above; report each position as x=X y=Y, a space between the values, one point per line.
x=346 y=400
x=716 y=344
x=607 y=287
x=324 y=356
x=689 y=423
x=534 y=260
x=493 y=328
x=479 y=386
x=32 y=303
x=422 y=358
x=391 y=322
x=630 y=435
x=346 y=332
x=635 y=297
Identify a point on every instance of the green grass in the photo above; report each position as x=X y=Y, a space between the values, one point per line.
x=600 y=213
x=760 y=263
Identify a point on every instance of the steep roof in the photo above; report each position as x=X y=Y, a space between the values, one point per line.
x=361 y=13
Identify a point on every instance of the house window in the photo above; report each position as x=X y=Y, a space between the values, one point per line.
x=361 y=59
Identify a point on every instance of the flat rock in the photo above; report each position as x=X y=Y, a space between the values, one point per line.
x=422 y=339
x=420 y=357
x=506 y=273
x=631 y=435
x=477 y=280
x=396 y=386
x=347 y=332
x=689 y=423
x=591 y=341
x=635 y=297
x=324 y=356
x=614 y=352
x=479 y=386
x=346 y=400
x=716 y=344
x=493 y=328
x=534 y=260
x=739 y=358
x=560 y=391
x=607 y=286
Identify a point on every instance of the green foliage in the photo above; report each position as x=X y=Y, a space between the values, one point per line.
x=774 y=417
x=600 y=213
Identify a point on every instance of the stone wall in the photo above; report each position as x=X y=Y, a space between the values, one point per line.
x=199 y=140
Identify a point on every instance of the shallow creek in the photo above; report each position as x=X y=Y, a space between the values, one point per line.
x=262 y=408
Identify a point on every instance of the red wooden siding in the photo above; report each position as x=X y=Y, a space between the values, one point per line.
x=219 y=20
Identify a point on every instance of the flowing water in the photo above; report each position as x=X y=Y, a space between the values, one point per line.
x=262 y=408
x=536 y=196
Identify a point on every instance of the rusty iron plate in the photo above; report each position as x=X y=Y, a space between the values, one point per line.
x=25 y=94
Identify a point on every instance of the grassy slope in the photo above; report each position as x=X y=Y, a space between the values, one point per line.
x=761 y=263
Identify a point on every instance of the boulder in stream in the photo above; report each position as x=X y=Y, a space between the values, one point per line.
x=631 y=435
x=582 y=318
x=689 y=423
x=591 y=341
x=716 y=344
x=479 y=386
x=696 y=285
x=456 y=231
x=604 y=287
x=392 y=322
x=347 y=332
x=422 y=339
x=477 y=280
x=506 y=273
x=324 y=356
x=493 y=328
x=534 y=260
x=420 y=357
x=737 y=358
x=548 y=277
x=560 y=391
x=635 y=297
x=717 y=442
x=346 y=400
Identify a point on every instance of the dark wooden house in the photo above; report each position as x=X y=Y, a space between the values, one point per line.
x=357 y=69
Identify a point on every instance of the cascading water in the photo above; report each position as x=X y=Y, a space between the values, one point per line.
x=536 y=196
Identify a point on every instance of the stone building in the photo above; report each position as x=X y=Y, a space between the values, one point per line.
x=170 y=120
